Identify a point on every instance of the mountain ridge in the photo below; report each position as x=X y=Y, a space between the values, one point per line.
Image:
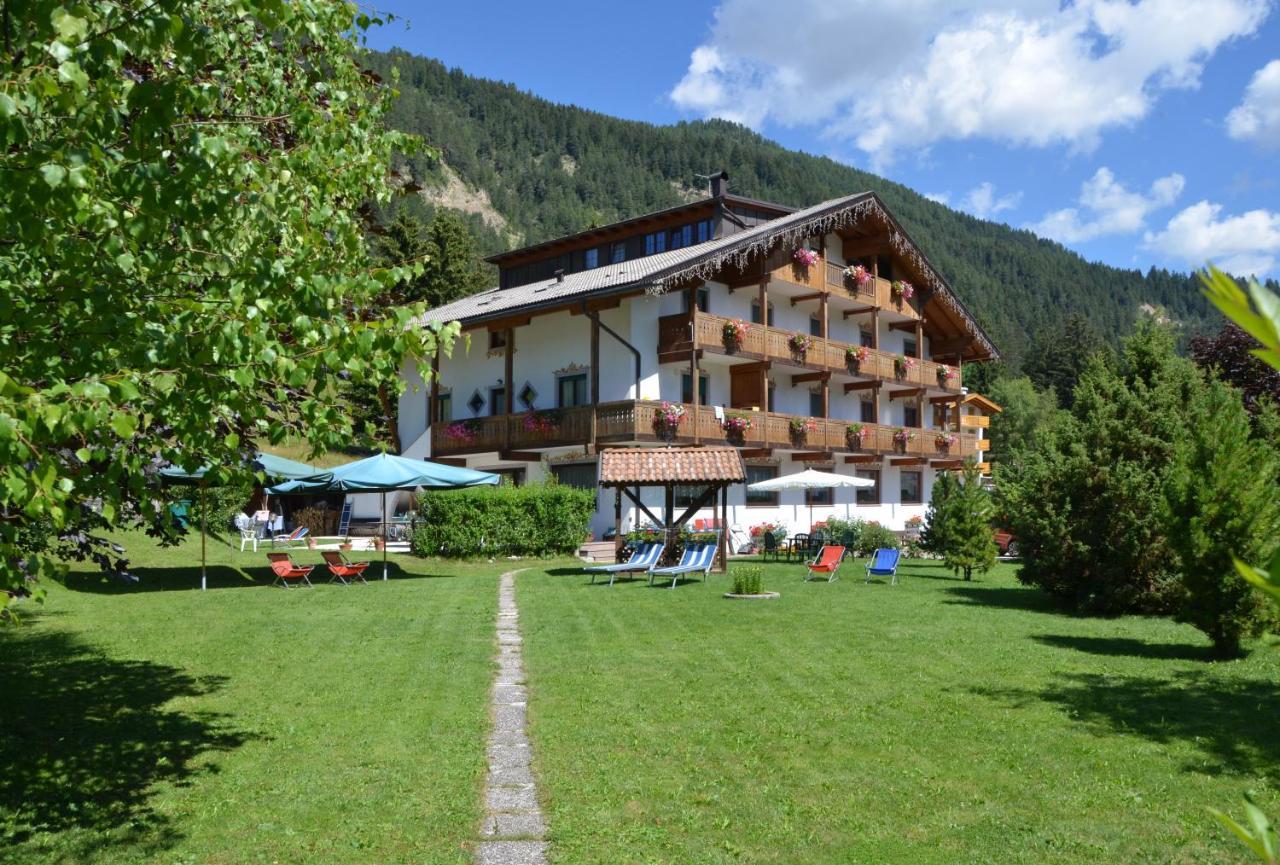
x=549 y=169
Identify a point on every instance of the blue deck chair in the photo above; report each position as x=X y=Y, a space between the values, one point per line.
x=884 y=564
x=643 y=558
x=698 y=556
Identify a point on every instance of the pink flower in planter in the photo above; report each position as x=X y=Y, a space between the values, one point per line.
x=805 y=257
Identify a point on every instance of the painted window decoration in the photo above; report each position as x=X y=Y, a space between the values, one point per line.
x=528 y=395
x=476 y=403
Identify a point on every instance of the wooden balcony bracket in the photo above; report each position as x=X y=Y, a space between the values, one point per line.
x=907 y=393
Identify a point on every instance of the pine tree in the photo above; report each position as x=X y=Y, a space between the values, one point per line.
x=969 y=542
x=1221 y=499
x=935 y=536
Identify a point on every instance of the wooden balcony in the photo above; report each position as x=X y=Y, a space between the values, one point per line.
x=633 y=421
x=771 y=343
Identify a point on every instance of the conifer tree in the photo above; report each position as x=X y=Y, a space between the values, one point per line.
x=969 y=544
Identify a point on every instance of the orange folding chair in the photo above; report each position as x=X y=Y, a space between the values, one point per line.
x=286 y=571
x=344 y=571
x=827 y=562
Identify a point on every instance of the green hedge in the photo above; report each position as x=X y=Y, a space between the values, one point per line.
x=532 y=520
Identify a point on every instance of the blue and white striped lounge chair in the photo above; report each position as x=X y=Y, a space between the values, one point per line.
x=884 y=564
x=643 y=558
x=699 y=556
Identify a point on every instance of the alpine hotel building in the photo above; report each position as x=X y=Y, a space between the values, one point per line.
x=814 y=338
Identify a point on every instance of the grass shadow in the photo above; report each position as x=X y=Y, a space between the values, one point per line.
x=87 y=739
x=1125 y=647
x=1003 y=597
x=222 y=577
x=1230 y=722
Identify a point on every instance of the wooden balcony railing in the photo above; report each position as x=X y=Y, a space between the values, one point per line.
x=877 y=292
x=634 y=421
x=771 y=343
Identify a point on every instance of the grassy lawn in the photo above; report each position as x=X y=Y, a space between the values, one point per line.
x=935 y=721
x=247 y=724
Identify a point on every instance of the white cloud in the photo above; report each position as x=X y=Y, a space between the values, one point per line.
x=1107 y=207
x=939 y=197
x=983 y=203
x=895 y=76
x=1257 y=117
x=1244 y=245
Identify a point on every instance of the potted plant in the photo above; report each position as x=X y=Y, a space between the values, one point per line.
x=345 y=546
x=736 y=426
x=667 y=420
x=378 y=542
x=856 y=435
x=799 y=344
x=746 y=585
x=800 y=428
x=464 y=431
x=902 y=438
x=543 y=422
x=947 y=375
x=857 y=274
x=804 y=257
x=856 y=356
x=902 y=290
x=945 y=441
x=734 y=334
x=902 y=365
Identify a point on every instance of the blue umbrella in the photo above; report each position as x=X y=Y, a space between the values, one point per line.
x=384 y=473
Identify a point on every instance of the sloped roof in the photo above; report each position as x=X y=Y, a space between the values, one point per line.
x=656 y=273
x=648 y=466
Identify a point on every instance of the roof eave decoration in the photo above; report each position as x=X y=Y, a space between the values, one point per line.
x=841 y=215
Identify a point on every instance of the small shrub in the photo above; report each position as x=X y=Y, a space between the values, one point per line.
x=874 y=537
x=222 y=505
x=532 y=520
x=746 y=581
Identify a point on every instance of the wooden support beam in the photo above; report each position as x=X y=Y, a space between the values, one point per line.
x=938 y=400
x=813 y=456
x=982 y=445
x=947 y=464
x=907 y=392
x=851 y=386
x=744 y=282
x=950 y=346
x=755 y=453
x=802 y=298
x=597 y=305
x=806 y=377
x=863 y=459
x=520 y=456
x=875 y=328
x=909 y=461
x=906 y=326
x=861 y=310
x=455 y=462
x=506 y=323
x=619 y=540
x=635 y=500
x=755 y=366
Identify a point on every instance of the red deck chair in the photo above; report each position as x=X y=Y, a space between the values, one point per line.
x=285 y=570
x=827 y=562
x=344 y=571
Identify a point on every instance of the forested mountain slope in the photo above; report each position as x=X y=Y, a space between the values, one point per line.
x=527 y=170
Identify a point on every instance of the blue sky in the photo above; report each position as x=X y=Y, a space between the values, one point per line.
x=1137 y=133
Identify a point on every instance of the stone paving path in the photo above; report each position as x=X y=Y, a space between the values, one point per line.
x=514 y=828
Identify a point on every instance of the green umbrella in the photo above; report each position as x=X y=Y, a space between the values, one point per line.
x=384 y=473
x=269 y=464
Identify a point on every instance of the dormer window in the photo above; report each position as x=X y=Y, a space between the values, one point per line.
x=591 y=259
x=619 y=253
x=655 y=243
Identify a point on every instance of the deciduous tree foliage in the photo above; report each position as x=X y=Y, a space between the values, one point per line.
x=182 y=256
x=1231 y=354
